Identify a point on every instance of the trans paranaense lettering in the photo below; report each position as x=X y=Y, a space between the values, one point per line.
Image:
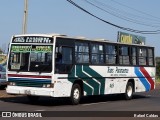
x=117 y=70
x=121 y=70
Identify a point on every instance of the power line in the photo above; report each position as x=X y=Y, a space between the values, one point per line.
x=136 y=10
x=112 y=24
x=122 y=12
x=121 y=16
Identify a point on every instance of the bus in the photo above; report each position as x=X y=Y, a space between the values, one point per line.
x=56 y=65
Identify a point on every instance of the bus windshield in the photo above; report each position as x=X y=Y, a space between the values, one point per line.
x=30 y=58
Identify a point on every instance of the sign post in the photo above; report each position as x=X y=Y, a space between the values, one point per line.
x=24 y=31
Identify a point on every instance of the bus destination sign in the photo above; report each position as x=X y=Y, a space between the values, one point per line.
x=32 y=39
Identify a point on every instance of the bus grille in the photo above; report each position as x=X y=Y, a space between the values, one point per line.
x=29 y=82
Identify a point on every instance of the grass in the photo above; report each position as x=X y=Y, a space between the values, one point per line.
x=158 y=79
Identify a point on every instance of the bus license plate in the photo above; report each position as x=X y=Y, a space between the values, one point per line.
x=27 y=92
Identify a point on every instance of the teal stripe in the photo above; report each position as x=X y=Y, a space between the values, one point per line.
x=97 y=76
x=89 y=78
x=72 y=78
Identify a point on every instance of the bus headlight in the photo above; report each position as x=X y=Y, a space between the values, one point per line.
x=12 y=83
x=48 y=85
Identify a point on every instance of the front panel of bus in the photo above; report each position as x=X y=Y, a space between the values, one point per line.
x=30 y=65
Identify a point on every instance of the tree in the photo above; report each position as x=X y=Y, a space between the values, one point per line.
x=158 y=69
x=3 y=48
x=1 y=51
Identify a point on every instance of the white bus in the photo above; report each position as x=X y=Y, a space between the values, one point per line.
x=62 y=66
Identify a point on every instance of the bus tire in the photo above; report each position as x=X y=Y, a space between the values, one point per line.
x=33 y=99
x=129 y=91
x=75 y=94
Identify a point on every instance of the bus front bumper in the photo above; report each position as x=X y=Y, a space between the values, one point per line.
x=17 y=90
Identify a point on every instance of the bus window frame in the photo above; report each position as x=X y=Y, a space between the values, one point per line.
x=89 y=57
x=120 y=54
x=56 y=71
x=91 y=53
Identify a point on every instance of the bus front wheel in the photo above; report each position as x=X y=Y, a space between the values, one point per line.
x=129 y=91
x=75 y=94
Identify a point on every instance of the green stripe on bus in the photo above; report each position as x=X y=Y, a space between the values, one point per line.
x=93 y=82
x=97 y=76
x=76 y=74
x=89 y=80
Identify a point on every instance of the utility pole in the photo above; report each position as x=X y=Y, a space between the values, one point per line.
x=24 y=30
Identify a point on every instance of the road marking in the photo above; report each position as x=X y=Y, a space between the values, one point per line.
x=40 y=110
x=149 y=95
x=94 y=103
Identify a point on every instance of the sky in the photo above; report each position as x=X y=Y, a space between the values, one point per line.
x=59 y=16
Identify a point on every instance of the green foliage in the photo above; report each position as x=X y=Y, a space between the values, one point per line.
x=157 y=79
x=1 y=51
x=158 y=69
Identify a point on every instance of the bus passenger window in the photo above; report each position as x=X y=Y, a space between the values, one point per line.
x=97 y=55
x=111 y=56
x=133 y=56
x=150 y=57
x=142 y=56
x=81 y=52
x=124 y=55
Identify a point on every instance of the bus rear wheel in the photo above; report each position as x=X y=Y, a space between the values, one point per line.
x=75 y=94
x=129 y=91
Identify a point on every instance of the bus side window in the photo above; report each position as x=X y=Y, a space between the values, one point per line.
x=82 y=52
x=97 y=54
x=133 y=56
x=66 y=55
x=124 y=55
x=150 y=57
x=142 y=56
x=111 y=54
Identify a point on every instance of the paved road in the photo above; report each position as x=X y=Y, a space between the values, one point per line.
x=149 y=101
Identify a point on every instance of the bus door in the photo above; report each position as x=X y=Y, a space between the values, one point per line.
x=63 y=56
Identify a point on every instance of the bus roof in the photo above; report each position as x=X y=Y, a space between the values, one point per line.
x=78 y=38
